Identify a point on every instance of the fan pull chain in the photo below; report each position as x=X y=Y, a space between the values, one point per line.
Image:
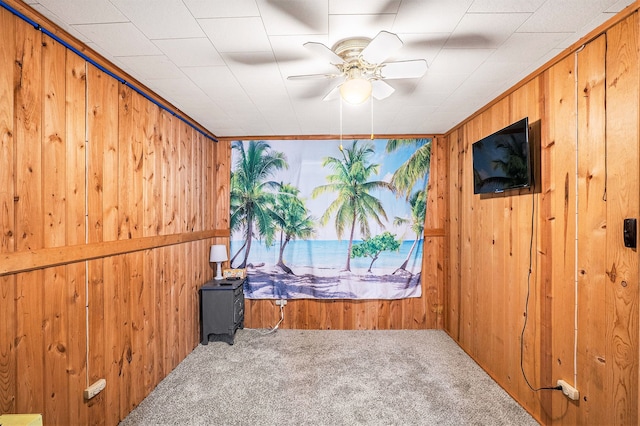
x=371 y=97
x=341 y=124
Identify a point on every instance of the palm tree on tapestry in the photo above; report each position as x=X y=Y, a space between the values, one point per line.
x=418 y=202
x=251 y=202
x=415 y=168
x=291 y=218
x=354 y=204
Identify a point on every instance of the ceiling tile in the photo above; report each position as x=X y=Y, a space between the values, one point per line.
x=160 y=18
x=225 y=63
x=564 y=16
x=59 y=22
x=459 y=61
x=222 y=8
x=505 y=6
x=358 y=7
x=84 y=12
x=218 y=83
x=190 y=52
x=286 y=17
x=485 y=30
x=527 y=47
x=236 y=34
x=151 y=67
x=618 y=6
x=119 y=39
x=441 y=16
x=347 y=26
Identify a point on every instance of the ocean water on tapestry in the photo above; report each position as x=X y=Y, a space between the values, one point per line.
x=325 y=220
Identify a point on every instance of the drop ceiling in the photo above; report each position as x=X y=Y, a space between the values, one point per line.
x=225 y=63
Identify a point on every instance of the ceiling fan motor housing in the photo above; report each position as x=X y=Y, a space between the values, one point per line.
x=354 y=66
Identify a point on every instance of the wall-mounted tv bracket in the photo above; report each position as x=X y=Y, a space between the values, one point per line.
x=630 y=232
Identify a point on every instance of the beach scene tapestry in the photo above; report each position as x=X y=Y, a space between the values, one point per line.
x=329 y=219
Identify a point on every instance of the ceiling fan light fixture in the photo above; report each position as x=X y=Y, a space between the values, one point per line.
x=355 y=90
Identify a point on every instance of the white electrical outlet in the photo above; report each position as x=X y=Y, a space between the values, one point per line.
x=281 y=302
x=94 y=389
x=568 y=390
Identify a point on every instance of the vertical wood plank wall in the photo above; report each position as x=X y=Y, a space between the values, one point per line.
x=108 y=206
x=583 y=111
x=424 y=312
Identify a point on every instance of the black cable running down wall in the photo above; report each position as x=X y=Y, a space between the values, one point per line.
x=101 y=68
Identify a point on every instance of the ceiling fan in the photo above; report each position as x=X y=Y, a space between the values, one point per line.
x=361 y=67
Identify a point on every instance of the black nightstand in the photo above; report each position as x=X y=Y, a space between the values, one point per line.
x=221 y=310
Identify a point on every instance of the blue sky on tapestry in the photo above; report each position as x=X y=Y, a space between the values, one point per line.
x=296 y=199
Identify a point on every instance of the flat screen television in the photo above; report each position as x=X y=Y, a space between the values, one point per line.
x=501 y=161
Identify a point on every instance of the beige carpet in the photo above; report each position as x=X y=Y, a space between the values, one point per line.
x=322 y=377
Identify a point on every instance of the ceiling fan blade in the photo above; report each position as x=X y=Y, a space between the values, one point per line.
x=312 y=76
x=323 y=51
x=404 y=69
x=381 y=47
x=381 y=90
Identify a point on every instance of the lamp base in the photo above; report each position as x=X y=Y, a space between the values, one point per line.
x=219 y=272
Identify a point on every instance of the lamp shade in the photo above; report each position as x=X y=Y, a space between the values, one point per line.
x=218 y=253
x=355 y=90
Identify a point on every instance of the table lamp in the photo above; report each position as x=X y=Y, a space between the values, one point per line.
x=218 y=254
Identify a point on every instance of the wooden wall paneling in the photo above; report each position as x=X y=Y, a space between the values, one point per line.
x=103 y=221
x=452 y=289
x=313 y=314
x=133 y=168
x=151 y=204
x=562 y=99
x=166 y=314
x=194 y=276
x=359 y=315
x=54 y=168
x=221 y=184
x=443 y=211
x=393 y=312
x=479 y=226
x=466 y=249
x=592 y=232
x=77 y=296
x=29 y=216
x=8 y=382
x=126 y=200
x=544 y=248
x=198 y=160
x=501 y=213
x=348 y=316
x=525 y=102
x=428 y=309
x=201 y=249
x=621 y=293
x=174 y=266
x=188 y=295
x=159 y=306
x=483 y=257
x=99 y=296
x=183 y=208
x=205 y=203
x=383 y=320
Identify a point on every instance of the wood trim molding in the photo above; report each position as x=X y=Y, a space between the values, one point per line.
x=23 y=261
x=435 y=232
x=328 y=137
